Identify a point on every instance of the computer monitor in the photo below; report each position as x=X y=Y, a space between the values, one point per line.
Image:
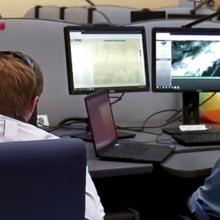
x=106 y=57
x=186 y=60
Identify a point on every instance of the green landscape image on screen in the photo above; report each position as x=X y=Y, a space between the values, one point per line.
x=108 y=62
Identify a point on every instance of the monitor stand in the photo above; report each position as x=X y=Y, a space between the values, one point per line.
x=191 y=114
x=191 y=108
x=88 y=137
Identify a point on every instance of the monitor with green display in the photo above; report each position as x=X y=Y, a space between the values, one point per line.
x=106 y=57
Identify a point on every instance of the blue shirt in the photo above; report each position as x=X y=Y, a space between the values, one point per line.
x=205 y=201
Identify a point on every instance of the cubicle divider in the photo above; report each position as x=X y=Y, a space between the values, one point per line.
x=110 y=14
x=44 y=40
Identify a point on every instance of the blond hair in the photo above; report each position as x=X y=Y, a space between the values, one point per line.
x=19 y=84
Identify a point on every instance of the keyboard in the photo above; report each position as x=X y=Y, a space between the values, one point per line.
x=198 y=138
x=131 y=149
x=137 y=151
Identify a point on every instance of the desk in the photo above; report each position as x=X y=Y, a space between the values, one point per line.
x=188 y=162
x=191 y=164
x=113 y=175
x=183 y=163
x=100 y=168
x=180 y=170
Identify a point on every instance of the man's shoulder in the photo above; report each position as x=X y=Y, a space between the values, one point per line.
x=30 y=131
x=14 y=130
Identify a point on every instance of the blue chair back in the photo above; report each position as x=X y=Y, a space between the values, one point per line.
x=42 y=180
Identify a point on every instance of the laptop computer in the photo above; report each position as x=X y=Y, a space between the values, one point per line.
x=105 y=141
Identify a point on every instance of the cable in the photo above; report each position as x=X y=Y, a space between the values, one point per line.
x=163 y=141
x=170 y=120
x=72 y=120
x=66 y=123
x=209 y=3
x=104 y=15
x=118 y=98
x=91 y=10
x=152 y=115
x=141 y=128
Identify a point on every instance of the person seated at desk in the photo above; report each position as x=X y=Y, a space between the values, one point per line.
x=21 y=84
x=204 y=203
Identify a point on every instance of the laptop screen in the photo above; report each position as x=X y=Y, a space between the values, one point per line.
x=101 y=119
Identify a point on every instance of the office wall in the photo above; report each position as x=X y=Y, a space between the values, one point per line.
x=45 y=42
x=17 y=8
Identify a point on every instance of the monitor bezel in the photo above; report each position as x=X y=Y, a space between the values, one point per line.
x=105 y=29
x=153 y=60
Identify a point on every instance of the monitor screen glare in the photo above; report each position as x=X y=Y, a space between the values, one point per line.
x=110 y=58
x=186 y=59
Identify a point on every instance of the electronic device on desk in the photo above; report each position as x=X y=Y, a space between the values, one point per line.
x=194 y=135
x=198 y=138
x=146 y=14
x=185 y=60
x=105 y=141
x=106 y=57
x=186 y=128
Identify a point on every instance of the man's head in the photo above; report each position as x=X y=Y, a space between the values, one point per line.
x=21 y=84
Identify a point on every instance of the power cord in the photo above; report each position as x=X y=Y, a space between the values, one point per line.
x=118 y=98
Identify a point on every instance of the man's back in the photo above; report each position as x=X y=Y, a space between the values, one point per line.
x=205 y=202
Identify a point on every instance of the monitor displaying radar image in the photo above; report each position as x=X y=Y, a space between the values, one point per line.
x=186 y=60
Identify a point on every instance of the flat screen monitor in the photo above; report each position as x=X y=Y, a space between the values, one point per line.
x=186 y=60
x=106 y=57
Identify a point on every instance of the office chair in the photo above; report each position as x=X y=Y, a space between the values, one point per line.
x=42 y=180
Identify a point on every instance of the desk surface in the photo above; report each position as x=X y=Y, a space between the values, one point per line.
x=187 y=162
x=100 y=168
x=191 y=164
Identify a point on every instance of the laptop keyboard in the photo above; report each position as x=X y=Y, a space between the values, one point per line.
x=131 y=149
x=140 y=152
